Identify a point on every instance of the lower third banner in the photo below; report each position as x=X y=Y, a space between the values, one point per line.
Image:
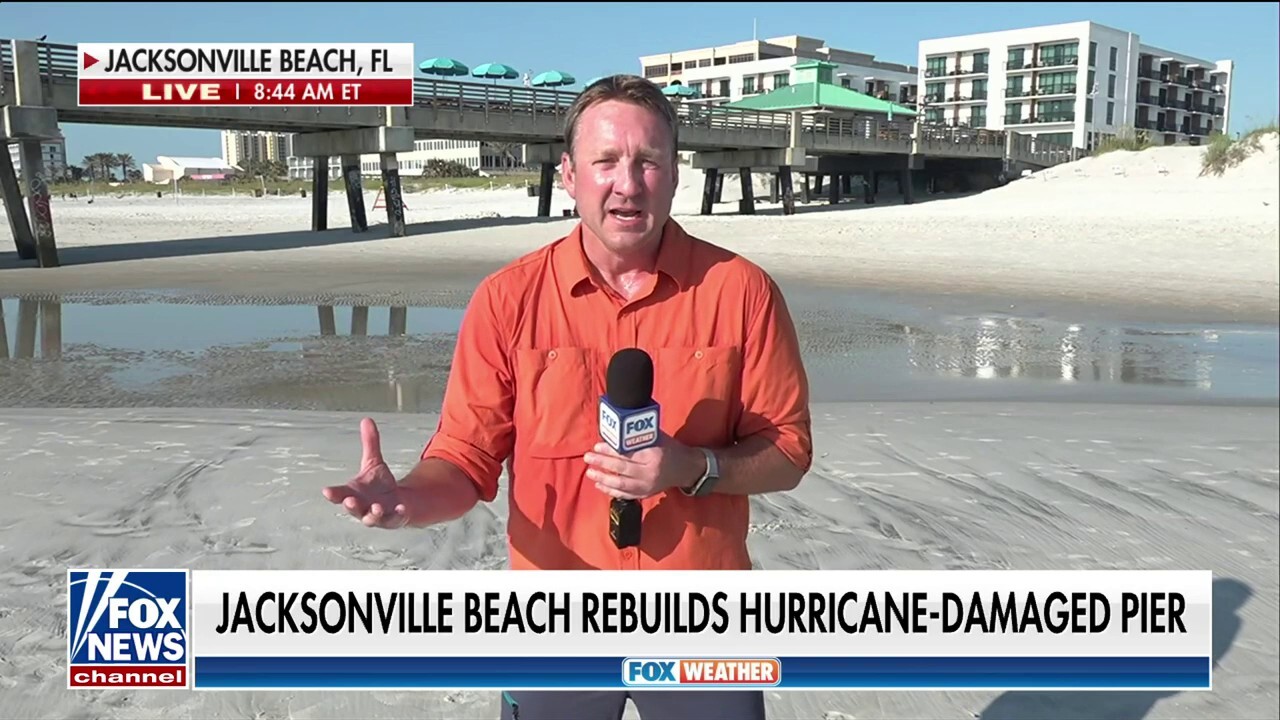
x=783 y=630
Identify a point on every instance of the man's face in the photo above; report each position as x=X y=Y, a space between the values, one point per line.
x=622 y=174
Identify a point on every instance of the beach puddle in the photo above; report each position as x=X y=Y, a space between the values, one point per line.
x=396 y=359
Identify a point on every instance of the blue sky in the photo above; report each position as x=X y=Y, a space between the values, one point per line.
x=594 y=39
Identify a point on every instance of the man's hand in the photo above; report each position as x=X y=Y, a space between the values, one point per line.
x=644 y=472
x=373 y=495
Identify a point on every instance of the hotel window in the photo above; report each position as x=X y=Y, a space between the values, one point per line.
x=935 y=67
x=1013 y=113
x=979 y=91
x=1111 y=113
x=748 y=84
x=1093 y=54
x=1115 y=57
x=933 y=115
x=1013 y=86
x=978 y=117
x=781 y=80
x=1057 y=83
x=1017 y=58
x=1088 y=110
x=980 y=62
x=933 y=92
x=1111 y=86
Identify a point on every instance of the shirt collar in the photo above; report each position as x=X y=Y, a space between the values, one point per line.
x=573 y=270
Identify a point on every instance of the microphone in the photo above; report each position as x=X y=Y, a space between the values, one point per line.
x=628 y=422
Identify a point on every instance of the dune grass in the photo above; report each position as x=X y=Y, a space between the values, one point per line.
x=1127 y=138
x=1224 y=152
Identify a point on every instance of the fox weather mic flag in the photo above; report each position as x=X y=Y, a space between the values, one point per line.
x=628 y=422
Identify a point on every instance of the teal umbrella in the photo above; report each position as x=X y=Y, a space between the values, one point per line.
x=553 y=78
x=443 y=66
x=495 y=71
x=680 y=90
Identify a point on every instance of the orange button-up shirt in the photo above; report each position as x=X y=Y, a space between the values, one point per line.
x=529 y=370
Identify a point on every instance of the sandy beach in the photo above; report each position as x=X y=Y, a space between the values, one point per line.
x=1141 y=231
x=1074 y=371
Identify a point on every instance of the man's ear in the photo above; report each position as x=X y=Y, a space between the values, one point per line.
x=566 y=174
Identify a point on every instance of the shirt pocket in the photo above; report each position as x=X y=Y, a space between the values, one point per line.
x=556 y=404
x=697 y=390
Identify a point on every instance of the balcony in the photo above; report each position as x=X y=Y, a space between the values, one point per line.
x=1148 y=100
x=1217 y=111
x=1059 y=61
x=976 y=70
x=1150 y=75
x=1017 y=93
x=1056 y=117
x=1051 y=91
x=1017 y=120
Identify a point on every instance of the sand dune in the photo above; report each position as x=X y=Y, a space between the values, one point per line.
x=902 y=486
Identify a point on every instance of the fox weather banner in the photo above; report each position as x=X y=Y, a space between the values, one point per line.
x=127 y=628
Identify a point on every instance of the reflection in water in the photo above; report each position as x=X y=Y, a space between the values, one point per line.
x=364 y=358
x=238 y=355
x=1011 y=348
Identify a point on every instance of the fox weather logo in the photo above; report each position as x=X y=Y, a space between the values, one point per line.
x=127 y=629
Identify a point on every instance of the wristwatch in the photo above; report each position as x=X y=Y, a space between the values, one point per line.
x=710 y=477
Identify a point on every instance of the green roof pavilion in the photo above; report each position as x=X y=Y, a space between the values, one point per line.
x=814 y=90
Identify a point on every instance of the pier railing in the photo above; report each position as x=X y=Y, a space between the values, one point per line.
x=59 y=64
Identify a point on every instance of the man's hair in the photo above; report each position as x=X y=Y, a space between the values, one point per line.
x=626 y=88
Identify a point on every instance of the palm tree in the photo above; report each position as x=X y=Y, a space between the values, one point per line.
x=126 y=163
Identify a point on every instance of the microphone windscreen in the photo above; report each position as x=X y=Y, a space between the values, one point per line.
x=629 y=381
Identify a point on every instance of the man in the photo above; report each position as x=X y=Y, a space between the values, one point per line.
x=530 y=366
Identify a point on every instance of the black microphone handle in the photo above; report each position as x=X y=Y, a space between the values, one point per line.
x=624 y=522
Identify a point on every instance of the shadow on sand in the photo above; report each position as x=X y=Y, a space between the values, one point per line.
x=1228 y=597
x=290 y=240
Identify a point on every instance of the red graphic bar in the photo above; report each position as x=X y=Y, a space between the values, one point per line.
x=127 y=676
x=292 y=92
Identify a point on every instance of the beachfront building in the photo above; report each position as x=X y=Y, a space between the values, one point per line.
x=480 y=156
x=1073 y=84
x=244 y=146
x=729 y=73
x=53 y=154
x=168 y=168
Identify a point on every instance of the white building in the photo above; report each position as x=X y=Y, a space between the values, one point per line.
x=1073 y=84
x=728 y=73
x=166 y=168
x=242 y=146
x=53 y=155
x=477 y=155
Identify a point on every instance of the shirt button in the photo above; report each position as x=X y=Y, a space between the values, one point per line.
x=698 y=354
x=552 y=354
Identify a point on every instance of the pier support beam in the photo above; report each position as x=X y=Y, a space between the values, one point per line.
x=392 y=194
x=711 y=180
x=788 y=196
x=355 y=192
x=320 y=192
x=546 y=184
x=27 y=124
x=747 y=205
x=547 y=156
x=384 y=141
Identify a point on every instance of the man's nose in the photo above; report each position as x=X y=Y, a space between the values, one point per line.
x=628 y=178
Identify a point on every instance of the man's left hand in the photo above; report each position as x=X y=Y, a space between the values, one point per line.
x=644 y=472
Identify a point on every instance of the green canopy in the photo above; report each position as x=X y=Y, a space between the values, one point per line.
x=815 y=91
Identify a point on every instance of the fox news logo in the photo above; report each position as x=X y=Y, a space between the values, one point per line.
x=127 y=629
x=640 y=430
x=657 y=672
